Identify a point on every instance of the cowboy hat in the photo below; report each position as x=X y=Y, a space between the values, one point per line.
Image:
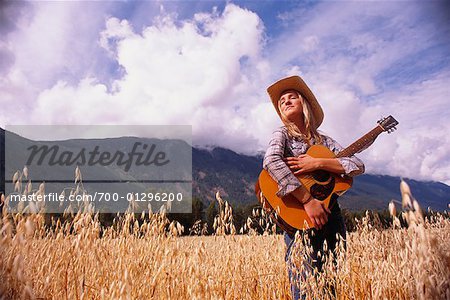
x=295 y=83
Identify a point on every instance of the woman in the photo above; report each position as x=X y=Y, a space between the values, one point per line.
x=302 y=115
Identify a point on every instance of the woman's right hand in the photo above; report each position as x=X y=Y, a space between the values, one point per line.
x=317 y=212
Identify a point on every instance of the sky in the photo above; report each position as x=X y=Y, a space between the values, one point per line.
x=208 y=64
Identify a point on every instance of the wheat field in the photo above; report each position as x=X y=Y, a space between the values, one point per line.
x=145 y=257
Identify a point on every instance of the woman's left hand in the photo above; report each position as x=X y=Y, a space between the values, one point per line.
x=302 y=164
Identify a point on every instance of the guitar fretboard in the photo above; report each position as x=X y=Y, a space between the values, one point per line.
x=365 y=140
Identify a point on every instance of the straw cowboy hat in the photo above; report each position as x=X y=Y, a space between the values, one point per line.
x=295 y=83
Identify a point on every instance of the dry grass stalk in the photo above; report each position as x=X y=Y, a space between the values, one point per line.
x=145 y=258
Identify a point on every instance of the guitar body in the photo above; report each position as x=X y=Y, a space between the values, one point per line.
x=322 y=185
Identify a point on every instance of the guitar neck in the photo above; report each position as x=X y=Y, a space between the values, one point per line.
x=357 y=146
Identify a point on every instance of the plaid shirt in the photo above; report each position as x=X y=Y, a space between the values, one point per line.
x=281 y=145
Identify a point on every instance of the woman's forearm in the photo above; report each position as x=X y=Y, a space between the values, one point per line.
x=301 y=194
x=330 y=164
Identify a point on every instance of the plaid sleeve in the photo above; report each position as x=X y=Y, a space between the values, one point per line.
x=352 y=165
x=277 y=168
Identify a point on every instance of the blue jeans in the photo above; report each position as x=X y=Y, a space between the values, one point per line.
x=316 y=237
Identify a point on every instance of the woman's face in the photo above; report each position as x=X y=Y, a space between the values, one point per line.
x=290 y=105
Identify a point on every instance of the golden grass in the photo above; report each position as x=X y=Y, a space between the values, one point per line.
x=410 y=263
x=145 y=259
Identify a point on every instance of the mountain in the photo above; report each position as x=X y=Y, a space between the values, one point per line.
x=226 y=171
x=234 y=175
x=151 y=172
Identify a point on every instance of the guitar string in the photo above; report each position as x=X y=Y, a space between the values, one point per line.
x=309 y=179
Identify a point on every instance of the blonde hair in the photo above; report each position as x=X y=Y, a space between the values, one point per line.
x=308 y=120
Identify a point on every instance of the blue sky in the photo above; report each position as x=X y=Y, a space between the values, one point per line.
x=208 y=63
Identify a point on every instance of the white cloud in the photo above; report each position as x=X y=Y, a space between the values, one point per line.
x=206 y=71
x=420 y=146
x=48 y=46
x=354 y=49
x=212 y=69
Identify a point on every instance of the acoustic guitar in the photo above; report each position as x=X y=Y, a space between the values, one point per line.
x=288 y=212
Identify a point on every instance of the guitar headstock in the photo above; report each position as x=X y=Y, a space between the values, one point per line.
x=388 y=124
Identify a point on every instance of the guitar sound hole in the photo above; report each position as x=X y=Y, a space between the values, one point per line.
x=321 y=176
x=321 y=192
